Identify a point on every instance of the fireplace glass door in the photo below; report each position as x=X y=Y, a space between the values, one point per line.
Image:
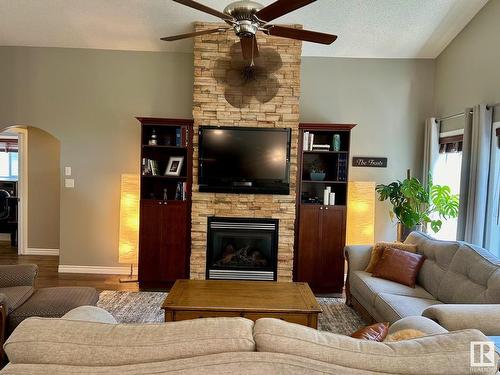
x=243 y=249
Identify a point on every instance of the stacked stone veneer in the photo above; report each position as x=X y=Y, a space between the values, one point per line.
x=211 y=108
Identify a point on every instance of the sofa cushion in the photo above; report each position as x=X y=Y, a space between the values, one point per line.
x=449 y=352
x=15 y=296
x=438 y=254
x=399 y=266
x=247 y=363
x=393 y=307
x=473 y=277
x=90 y=314
x=53 y=303
x=77 y=343
x=368 y=286
x=426 y=325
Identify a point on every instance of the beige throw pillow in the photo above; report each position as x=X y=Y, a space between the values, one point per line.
x=379 y=248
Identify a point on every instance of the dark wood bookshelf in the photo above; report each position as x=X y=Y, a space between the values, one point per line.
x=320 y=229
x=165 y=224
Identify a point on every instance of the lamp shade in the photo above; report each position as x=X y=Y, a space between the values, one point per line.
x=129 y=219
x=360 y=213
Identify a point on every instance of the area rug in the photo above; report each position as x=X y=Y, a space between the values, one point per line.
x=144 y=307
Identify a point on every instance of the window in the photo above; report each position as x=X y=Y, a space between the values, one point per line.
x=9 y=165
x=447 y=172
x=492 y=234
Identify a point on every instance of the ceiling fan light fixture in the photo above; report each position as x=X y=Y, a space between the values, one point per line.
x=246 y=29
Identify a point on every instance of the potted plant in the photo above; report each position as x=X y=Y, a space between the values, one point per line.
x=413 y=204
x=317 y=173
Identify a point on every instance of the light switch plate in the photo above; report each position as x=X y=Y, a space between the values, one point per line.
x=67 y=171
x=69 y=183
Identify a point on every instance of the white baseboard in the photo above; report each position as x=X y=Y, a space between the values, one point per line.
x=96 y=270
x=37 y=251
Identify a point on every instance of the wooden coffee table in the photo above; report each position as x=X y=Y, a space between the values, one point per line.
x=192 y=299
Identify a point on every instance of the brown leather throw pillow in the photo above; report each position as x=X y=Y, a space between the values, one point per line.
x=375 y=332
x=379 y=248
x=399 y=266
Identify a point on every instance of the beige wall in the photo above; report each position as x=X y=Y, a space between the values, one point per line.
x=389 y=100
x=88 y=99
x=468 y=70
x=43 y=189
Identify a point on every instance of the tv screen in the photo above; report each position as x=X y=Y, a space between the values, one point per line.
x=238 y=160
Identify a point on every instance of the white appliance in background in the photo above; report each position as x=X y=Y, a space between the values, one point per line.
x=492 y=234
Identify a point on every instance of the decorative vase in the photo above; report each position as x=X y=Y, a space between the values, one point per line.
x=404 y=231
x=318 y=176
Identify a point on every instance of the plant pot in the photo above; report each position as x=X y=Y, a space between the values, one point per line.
x=317 y=176
x=404 y=231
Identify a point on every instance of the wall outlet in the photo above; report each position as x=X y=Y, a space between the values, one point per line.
x=67 y=171
x=69 y=183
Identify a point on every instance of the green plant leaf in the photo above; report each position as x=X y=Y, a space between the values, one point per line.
x=436 y=225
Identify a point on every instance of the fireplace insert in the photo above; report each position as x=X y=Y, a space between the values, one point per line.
x=242 y=249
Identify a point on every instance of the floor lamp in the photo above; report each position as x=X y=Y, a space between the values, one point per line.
x=361 y=213
x=129 y=223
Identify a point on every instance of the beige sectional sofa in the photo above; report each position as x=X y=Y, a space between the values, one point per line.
x=458 y=286
x=226 y=346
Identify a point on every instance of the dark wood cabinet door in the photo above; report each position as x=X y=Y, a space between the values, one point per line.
x=150 y=243
x=163 y=254
x=173 y=255
x=309 y=222
x=330 y=263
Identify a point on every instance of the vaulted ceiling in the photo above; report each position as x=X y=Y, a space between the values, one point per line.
x=366 y=28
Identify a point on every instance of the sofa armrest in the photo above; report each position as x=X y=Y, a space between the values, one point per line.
x=358 y=256
x=18 y=275
x=453 y=317
x=425 y=325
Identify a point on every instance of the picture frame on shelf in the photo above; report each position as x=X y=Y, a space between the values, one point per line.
x=174 y=166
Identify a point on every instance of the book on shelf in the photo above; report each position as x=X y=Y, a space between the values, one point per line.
x=178 y=138
x=308 y=141
x=150 y=167
x=180 y=192
x=321 y=147
x=305 y=142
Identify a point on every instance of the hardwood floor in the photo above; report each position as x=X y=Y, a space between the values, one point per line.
x=49 y=277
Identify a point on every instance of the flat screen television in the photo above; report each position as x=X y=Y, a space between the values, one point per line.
x=244 y=160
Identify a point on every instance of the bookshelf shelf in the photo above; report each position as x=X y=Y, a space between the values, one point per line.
x=165 y=147
x=323 y=182
x=174 y=178
x=325 y=152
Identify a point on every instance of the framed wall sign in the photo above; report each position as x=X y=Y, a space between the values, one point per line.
x=369 y=162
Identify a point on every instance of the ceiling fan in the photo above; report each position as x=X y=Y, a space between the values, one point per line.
x=247 y=17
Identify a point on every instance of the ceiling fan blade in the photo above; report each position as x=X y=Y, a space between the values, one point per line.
x=204 y=8
x=280 y=8
x=249 y=47
x=306 y=35
x=192 y=35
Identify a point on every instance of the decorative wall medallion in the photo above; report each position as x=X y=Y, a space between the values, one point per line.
x=243 y=80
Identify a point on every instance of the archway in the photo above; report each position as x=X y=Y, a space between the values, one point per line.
x=38 y=191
